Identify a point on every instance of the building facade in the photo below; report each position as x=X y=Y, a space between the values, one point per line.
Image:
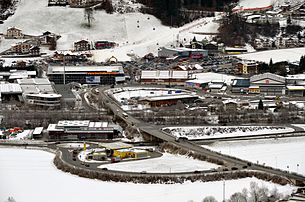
x=268 y=84
x=85 y=74
x=82 y=130
x=14 y=33
x=82 y=45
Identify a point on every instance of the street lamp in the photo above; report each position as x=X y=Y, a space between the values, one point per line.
x=298 y=168
x=288 y=168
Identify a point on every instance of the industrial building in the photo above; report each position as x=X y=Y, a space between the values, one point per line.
x=166 y=100
x=268 y=84
x=83 y=130
x=240 y=85
x=85 y=74
x=182 y=52
x=9 y=91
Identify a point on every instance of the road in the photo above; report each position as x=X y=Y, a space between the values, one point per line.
x=154 y=131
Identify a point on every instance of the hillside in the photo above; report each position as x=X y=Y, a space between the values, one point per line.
x=134 y=32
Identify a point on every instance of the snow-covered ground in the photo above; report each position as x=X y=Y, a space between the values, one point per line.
x=136 y=33
x=285 y=154
x=211 y=76
x=30 y=176
x=202 y=132
x=291 y=55
x=300 y=125
x=250 y=4
x=122 y=95
x=164 y=164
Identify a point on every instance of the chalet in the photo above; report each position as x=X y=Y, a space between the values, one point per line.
x=211 y=48
x=268 y=84
x=104 y=44
x=35 y=51
x=217 y=86
x=57 y=3
x=168 y=77
x=21 y=48
x=230 y=105
x=14 y=33
x=82 y=45
x=247 y=67
x=82 y=3
x=47 y=38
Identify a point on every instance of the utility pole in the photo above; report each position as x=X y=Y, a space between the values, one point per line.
x=224 y=190
x=64 y=70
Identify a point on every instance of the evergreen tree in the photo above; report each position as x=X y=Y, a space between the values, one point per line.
x=260 y=105
x=271 y=66
x=302 y=64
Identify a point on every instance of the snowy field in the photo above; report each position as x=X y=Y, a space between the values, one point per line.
x=211 y=76
x=136 y=33
x=202 y=132
x=291 y=55
x=30 y=176
x=300 y=125
x=122 y=95
x=164 y=164
x=278 y=153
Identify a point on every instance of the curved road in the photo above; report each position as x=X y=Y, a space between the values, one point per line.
x=150 y=129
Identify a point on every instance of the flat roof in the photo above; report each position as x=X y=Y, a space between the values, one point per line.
x=71 y=123
x=115 y=145
x=37 y=130
x=84 y=68
x=10 y=88
x=295 y=87
x=170 y=97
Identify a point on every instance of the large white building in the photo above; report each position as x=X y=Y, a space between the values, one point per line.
x=39 y=92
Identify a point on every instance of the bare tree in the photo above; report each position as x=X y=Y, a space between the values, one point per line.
x=88 y=15
x=209 y=199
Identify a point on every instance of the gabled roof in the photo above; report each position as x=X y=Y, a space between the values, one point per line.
x=268 y=76
x=81 y=41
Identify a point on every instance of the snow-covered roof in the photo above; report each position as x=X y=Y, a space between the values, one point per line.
x=38 y=130
x=267 y=76
x=84 y=68
x=215 y=86
x=170 y=97
x=296 y=88
x=78 y=123
x=165 y=74
x=10 y=88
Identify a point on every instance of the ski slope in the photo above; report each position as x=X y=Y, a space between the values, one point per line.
x=136 y=33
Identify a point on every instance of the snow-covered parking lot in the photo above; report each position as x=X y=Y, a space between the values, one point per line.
x=203 y=132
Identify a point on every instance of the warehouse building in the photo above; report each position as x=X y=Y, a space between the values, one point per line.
x=166 y=100
x=268 y=84
x=83 y=130
x=85 y=74
x=182 y=52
